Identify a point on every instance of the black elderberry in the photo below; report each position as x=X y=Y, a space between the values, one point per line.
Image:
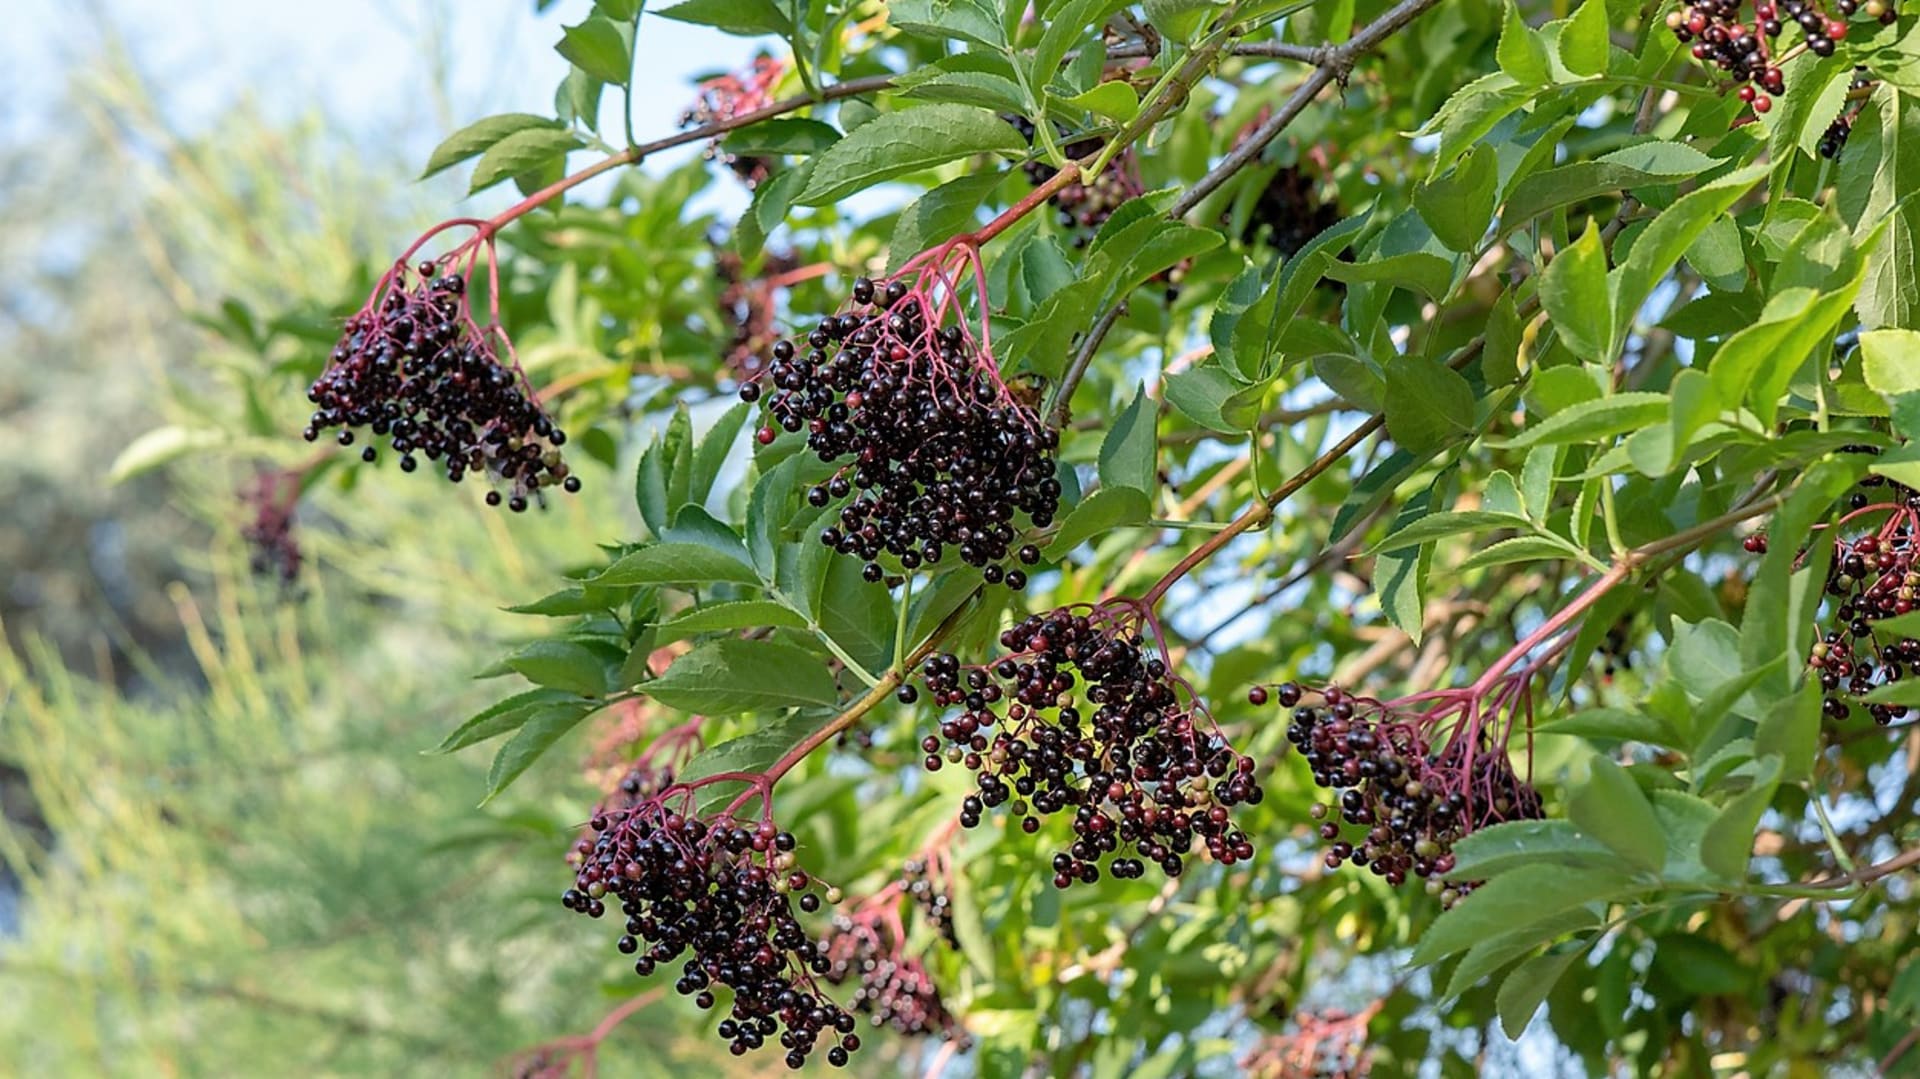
x=935 y=452
x=1142 y=770
x=414 y=366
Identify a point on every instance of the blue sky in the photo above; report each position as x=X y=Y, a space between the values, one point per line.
x=368 y=66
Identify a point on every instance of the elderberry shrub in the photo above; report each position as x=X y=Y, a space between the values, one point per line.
x=721 y=896
x=893 y=988
x=1873 y=577
x=1414 y=802
x=1140 y=776
x=942 y=454
x=1747 y=48
x=412 y=366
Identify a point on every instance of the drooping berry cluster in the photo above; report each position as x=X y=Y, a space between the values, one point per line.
x=1748 y=48
x=1327 y=1044
x=1873 y=577
x=727 y=97
x=1084 y=207
x=722 y=896
x=1413 y=799
x=943 y=455
x=273 y=548
x=1834 y=138
x=1085 y=716
x=892 y=988
x=415 y=367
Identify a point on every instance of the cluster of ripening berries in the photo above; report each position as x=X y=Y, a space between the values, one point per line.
x=1873 y=577
x=1088 y=722
x=944 y=457
x=1745 y=48
x=272 y=546
x=1083 y=207
x=1413 y=803
x=892 y=988
x=723 y=897
x=412 y=367
x=726 y=97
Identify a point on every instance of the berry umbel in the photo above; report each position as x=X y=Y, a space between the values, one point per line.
x=1086 y=715
x=1749 y=47
x=935 y=454
x=718 y=897
x=416 y=367
x=1873 y=577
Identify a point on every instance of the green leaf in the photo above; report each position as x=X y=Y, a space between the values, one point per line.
x=727 y=677
x=678 y=564
x=896 y=143
x=1114 y=100
x=1583 y=41
x=977 y=21
x=532 y=740
x=522 y=151
x=1510 y=845
x=1523 y=991
x=1728 y=842
x=943 y=212
x=1428 y=403
x=1891 y=360
x=1497 y=951
x=1791 y=731
x=1667 y=238
x=1420 y=271
x=1127 y=454
x=1069 y=24
x=856 y=615
x=1614 y=724
x=715 y=446
x=161 y=446
x=599 y=47
x=507 y=715
x=732 y=615
x=1610 y=807
x=742 y=18
x=780 y=137
x=477 y=137
x=1522 y=549
x=1200 y=393
x=1436 y=525
x=752 y=753
x=1103 y=511
x=1521 y=53
x=1574 y=292
x=567 y=665
x=1594 y=420
x=1400 y=579
x=1522 y=897
x=1458 y=206
x=982 y=88
x=1877 y=177
x=1756 y=364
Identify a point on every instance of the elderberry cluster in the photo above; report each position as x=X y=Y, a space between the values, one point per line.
x=1748 y=48
x=721 y=896
x=1088 y=721
x=1083 y=207
x=1873 y=577
x=1290 y=212
x=892 y=988
x=746 y=308
x=272 y=546
x=1414 y=803
x=413 y=367
x=726 y=97
x=942 y=454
